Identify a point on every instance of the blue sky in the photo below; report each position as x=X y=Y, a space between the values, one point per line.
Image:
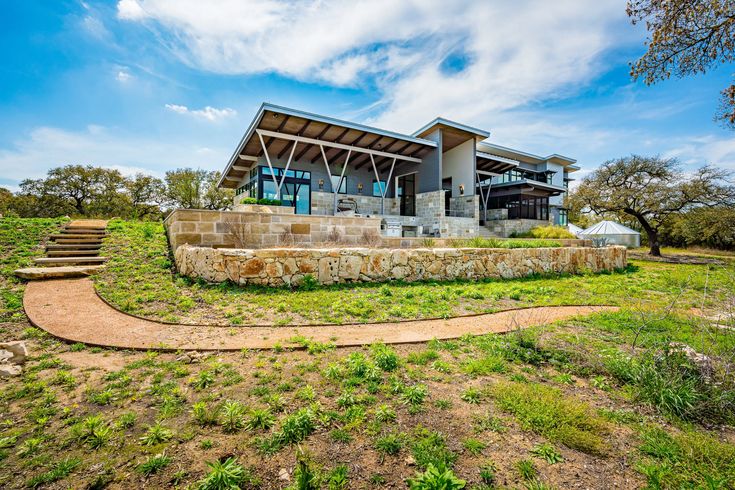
x=152 y=85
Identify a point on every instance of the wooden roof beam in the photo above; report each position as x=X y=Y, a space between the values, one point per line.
x=270 y=140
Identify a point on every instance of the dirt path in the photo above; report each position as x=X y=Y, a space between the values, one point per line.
x=70 y=309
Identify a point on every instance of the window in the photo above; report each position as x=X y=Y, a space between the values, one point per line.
x=563 y=217
x=378 y=188
x=335 y=182
x=522 y=207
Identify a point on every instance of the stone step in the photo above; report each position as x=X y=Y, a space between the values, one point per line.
x=72 y=253
x=75 y=235
x=78 y=241
x=63 y=272
x=74 y=246
x=88 y=231
x=51 y=261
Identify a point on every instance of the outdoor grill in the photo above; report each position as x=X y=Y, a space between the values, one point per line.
x=391 y=227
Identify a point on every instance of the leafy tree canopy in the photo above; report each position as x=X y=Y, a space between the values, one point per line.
x=651 y=190
x=686 y=37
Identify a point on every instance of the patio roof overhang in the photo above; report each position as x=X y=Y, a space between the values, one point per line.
x=279 y=131
x=494 y=164
x=527 y=185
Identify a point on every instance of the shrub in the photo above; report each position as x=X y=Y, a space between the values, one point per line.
x=385 y=357
x=269 y=202
x=156 y=434
x=248 y=200
x=390 y=444
x=547 y=452
x=232 y=416
x=434 y=479
x=550 y=231
x=546 y=411
x=430 y=448
x=260 y=418
x=223 y=475
x=154 y=464
x=204 y=415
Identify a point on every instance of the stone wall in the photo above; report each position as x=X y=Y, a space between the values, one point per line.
x=289 y=266
x=506 y=227
x=213 y=228
x=322 y=203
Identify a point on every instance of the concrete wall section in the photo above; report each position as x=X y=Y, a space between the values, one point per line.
x=459 y=164
x=289 y=266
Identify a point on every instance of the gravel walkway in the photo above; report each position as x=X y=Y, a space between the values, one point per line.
x=70 y=309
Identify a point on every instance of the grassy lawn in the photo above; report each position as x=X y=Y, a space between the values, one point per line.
x=138 y=279
x=572 y=404
x=20 y=242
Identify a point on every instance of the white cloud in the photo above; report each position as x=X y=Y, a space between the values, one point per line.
x=48 y=147
x=209 y=113
x=709 y=149
x=517 y=45
x=123 y=75
x=130 y=10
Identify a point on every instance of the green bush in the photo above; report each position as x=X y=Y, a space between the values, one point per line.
x=479 y=242
x=550 y=231
x=262 y=202
x=435 y=479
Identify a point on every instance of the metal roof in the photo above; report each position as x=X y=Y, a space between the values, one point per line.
x=440 y=121
x=315 y=128
x=609 y=228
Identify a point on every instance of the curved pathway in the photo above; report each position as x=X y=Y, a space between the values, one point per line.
x=70 y=309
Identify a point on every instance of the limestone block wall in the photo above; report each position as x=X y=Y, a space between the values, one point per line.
x=322 y=203
x=506 y=227
x=212 y=228
x=289 y=266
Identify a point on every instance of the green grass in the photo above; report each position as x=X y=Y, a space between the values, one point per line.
x=139 y=279
x=689 y=459
x=546 y=411
x=20 y=241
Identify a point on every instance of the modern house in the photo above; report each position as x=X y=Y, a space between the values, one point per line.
x=443 y=180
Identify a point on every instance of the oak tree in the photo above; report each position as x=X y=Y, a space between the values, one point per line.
x=651 y=190
x=687 y=37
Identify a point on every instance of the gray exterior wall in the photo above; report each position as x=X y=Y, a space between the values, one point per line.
x=459 y=164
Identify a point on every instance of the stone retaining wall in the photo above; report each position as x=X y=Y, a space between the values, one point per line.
x=289 y=266
x=213 y=228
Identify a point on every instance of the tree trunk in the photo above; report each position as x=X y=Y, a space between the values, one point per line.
x=653 y=243
x=651 y=232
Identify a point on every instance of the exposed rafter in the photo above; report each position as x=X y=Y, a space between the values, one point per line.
x=285 y=147
x=270 y=140
x=338 y=139
x=360 y=163
x=329 y=144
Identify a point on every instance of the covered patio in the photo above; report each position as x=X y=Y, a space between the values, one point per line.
x=296 y=156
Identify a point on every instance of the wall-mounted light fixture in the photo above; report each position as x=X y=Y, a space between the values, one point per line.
x=321 y=184
x=461 y=189
x=359 y=188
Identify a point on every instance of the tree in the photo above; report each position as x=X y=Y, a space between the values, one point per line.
x=196 y=189
x=146 y=194
x=686 y=37
x=651 y=190
x=711 y=227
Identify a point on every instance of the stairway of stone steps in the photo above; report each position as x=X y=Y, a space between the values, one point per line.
x=72 y=252
x=485 y=233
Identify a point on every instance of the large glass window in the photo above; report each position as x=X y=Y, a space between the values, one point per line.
x=335 y=183
x=522 y=207
x=296 y=189
x=378 y=188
